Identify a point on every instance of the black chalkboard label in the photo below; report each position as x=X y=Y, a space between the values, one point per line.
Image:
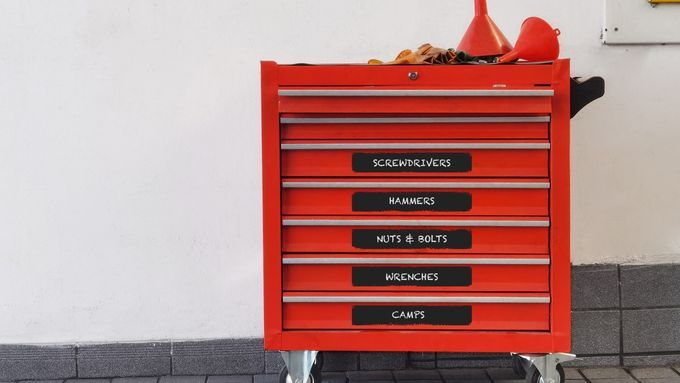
x=411 y=239
x=412 y=276
x=415 y=201
x=412 y=315
x=412 y=162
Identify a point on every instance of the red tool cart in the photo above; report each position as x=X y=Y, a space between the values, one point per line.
x=417 y=208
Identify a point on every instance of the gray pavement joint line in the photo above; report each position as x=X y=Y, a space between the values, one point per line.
x=76 y=352
x=488 y=376
x=628 y=370
x=438 y=370
x=172 y=359
x=582 y=375
x=618 y=269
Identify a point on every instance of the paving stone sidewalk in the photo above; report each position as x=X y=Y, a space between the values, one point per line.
x=459 y=375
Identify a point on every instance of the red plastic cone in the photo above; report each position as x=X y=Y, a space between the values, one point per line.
x=537 y=41
x=483 y=37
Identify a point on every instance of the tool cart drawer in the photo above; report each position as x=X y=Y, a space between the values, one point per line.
x=516 y=101
x=415 y=197
x=431 y=311
x=414 y=272
x=443 y=159
x=297 y=127
x=368 y=234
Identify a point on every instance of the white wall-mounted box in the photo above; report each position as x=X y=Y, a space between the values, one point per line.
x=640 y=22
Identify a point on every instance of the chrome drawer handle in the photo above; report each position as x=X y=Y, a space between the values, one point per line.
x=379 y=299
x=415 y=185
x=428 y=145
x=416 y=93
x=415 y=222
x=411 y=120
x=416 y=261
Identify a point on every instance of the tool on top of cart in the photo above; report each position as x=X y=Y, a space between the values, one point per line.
x=429 y=55
x=484 y=43
x=426 y=54
x=537 y=41
x=483 y=37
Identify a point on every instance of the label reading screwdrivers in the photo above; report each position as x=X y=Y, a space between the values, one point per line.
x=411 y=162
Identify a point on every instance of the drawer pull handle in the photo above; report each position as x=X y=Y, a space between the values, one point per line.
x=415 y=185
x=416 y=261
x=411 y=120
x=416 y=93
x=414 y=222
x=368 y=146
x=377 y=299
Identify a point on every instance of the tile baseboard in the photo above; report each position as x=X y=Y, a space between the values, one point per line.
x=615 y=322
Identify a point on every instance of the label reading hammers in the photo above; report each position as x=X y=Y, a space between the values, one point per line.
x=411 y=201
x=411 y=315
x=411 y=162
x=411 y=239
x=412 y=276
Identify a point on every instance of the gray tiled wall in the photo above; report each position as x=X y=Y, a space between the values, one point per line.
x=238 y=356
x=36 y=362
x=650 y=315
x=122 y=360
x=621 y=315
x=627 y=315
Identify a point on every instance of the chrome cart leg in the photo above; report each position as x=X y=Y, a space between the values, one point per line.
x=299 y=365
x=545 y=368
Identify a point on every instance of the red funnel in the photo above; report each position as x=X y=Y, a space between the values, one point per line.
x=537 y=41
x=483 y=38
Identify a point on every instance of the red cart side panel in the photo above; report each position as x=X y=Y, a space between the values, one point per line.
x=439 y=131
x=271 y=207
x=511 y=240
x=484 y=163
x=413 y=201
x=514 y=278
x=560 y=278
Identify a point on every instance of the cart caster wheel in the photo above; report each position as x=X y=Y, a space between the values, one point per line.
x=518 y=367
x=533 y=376
x=314 y=375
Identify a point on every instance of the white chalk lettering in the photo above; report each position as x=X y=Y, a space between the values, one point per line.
x=412 y=163
x=433 y=238
x=411 y=201
x=408 y=277
x=388 y=238
x=399 y=314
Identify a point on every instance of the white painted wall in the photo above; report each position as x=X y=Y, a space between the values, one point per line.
x=129 y=150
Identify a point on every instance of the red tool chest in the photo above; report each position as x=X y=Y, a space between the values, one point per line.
x=416 y=208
